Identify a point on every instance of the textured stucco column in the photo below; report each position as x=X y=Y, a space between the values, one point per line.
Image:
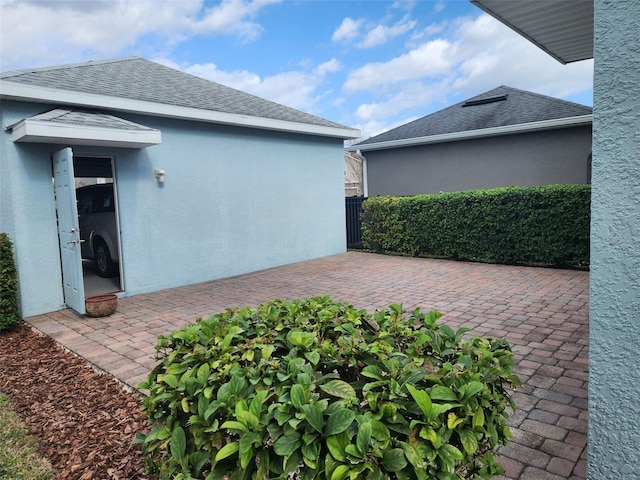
x=614 y=358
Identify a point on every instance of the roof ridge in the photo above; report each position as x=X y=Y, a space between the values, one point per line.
x=136 y=79
x=223 y=85
x=24 y=71
x=459 y=104
x=17 y=73
x=449 y=108
x=542 y=95
x=505 y=87
x=521 y=107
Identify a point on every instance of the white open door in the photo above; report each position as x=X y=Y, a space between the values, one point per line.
x=68 y=229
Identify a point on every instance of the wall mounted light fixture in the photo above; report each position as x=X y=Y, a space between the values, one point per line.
x=159 y=175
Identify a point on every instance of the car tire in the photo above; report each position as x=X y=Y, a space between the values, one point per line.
x=106 y=267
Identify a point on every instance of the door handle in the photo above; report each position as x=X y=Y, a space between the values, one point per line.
x=76 y=241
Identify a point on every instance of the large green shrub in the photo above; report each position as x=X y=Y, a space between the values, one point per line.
x=9 y=313
x=515 y=225
x=312 y=389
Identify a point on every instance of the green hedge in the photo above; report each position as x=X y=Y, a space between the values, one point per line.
x=516 y=225
x=9 y=314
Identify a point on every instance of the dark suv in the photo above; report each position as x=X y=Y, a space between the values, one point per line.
x=98 y=227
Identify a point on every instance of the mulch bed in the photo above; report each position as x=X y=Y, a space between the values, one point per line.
x=85 y=421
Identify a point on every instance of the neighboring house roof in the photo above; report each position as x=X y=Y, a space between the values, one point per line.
x=138 y=85
x=499 y=111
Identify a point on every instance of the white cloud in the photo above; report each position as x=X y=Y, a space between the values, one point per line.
x=375 y=127
x=428 y=60
x=406 y=5
x=71 y=31
x=478 y=55
x=347 y=30
x=294 y=89
x=412 y=94
x=382 y=34
x=489 y=54
x=240 y=79
x=441 y=62
x=331 y=66
x=379 y=34
x=232 y=17
x=297 y=88
x=439 y=6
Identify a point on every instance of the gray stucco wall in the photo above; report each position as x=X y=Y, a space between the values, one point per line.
x=614 y=371
x=529 y=159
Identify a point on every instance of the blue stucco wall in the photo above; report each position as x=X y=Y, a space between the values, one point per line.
x=235 y=200
x=28 y=215
x=614 y=372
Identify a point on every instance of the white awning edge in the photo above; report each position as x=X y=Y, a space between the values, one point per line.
x=38 y=131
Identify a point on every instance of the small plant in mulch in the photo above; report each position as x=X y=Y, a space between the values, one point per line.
x=314 y=389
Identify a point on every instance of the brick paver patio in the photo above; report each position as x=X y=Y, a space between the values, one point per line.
x=542 y=312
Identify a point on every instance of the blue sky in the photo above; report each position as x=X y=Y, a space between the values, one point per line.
x=368 y=64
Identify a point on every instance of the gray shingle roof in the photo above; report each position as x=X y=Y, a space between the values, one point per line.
x=139 y=79
x=87 y=119
x=499 y=107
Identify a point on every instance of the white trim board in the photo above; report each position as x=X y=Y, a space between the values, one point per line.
x=17 y=91
x=483 y=132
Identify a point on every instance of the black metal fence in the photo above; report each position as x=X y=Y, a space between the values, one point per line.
x=353 y=206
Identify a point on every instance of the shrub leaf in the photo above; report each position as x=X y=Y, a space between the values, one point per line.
x=339 y=421
x=364 y=437
x=178 y=444
x=313 y=357
x=440 y=392
x=337 y=445
x=339 y=388
x=394 y=460
x=340 y=473
x=228 y=450
x=287 y=444
x=298 y=397
x=469 y=441
x=314 y=416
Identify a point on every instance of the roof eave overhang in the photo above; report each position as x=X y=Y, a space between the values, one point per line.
x=36 y=131
x=30 y=93
x=562 y=29
x=553 y=124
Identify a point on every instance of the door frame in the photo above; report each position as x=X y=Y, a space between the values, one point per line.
x=112 y=167
x=73 y=277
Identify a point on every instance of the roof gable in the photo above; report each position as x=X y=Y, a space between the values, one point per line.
x=500 y=107
x=141 y=80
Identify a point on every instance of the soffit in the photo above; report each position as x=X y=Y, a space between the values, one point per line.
x=562 y=28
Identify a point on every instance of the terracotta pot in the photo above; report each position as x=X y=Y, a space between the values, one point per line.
x=101 y=305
